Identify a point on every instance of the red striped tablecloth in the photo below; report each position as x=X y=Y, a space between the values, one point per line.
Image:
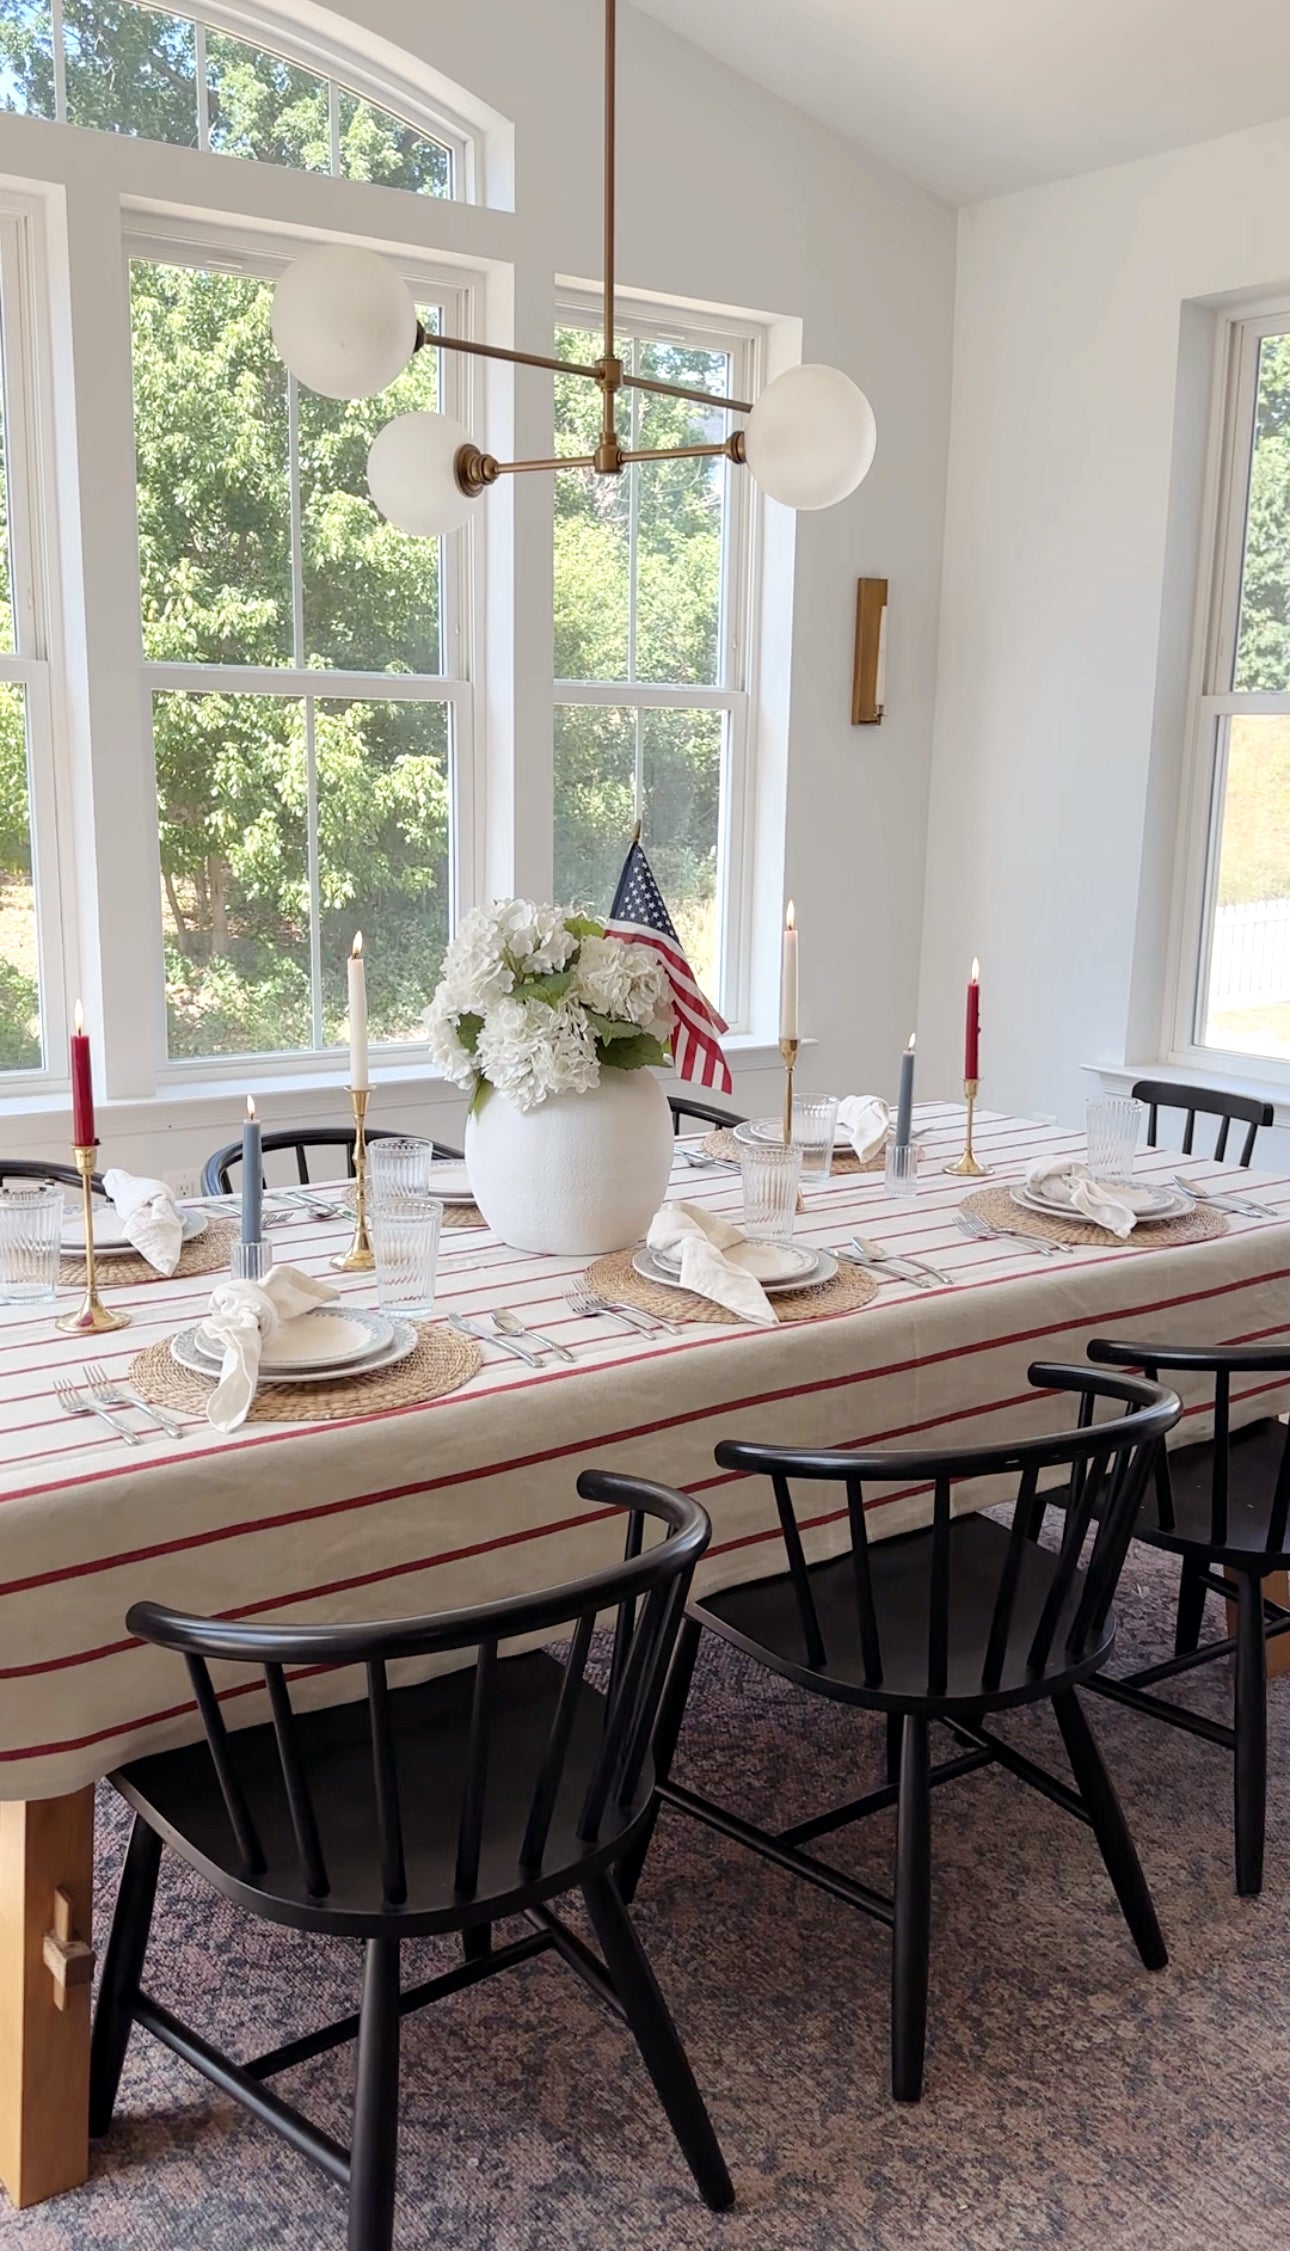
x=473 y=1496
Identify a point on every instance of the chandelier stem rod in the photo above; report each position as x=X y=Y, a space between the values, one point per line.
x=611 y=158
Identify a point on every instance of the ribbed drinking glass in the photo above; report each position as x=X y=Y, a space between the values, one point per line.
x=398 y=1166
x=771 y=1174
x=405 y=1239
x=1113 y=1123
x=31 y=1241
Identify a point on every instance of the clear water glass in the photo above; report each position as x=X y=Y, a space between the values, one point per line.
x=398 y=1166
x=31 y=1242
x=900 y=1171
x=815 y=1125
x=771 y=1174
x=405 y=1239
x=1113 y=1123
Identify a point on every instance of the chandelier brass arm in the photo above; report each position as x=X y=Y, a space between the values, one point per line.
x=477 y=470
x=428 y=340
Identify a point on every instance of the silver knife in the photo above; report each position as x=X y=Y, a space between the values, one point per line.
x=508 y=1323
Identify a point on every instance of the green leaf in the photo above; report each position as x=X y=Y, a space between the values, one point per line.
x=468 y=1031
x=610 y=1028
x=551 y=988
x=483 y=1088
x=583 y=926
x=632 y=1054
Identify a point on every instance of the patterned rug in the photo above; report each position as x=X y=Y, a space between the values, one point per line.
x=1072 y=2100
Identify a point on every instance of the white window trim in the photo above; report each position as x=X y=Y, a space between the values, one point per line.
x=37 y=663
x=1212 y=701
x=734 y=693
x=181 y=238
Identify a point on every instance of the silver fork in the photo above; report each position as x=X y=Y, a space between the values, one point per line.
x=877 y=1256
x=979 y=1230
x=585 y=1302
x=110 y=1394
x=704 y=1161
x=72 y=1403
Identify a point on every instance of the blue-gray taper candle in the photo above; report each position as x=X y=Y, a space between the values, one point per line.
x=905 y=1099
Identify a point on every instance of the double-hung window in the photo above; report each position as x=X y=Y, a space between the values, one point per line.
x=306 y=666
x=1235 y=998
x=652 y=619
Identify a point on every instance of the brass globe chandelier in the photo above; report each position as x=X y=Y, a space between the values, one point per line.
x=345 y=324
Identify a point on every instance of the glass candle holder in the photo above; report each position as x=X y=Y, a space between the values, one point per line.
x=771 y=1174
x=405 y=1239
x=900 y=1171
x=250 y=1262
x=31 y=1241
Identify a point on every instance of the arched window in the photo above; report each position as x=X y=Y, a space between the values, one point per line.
x=165 y=76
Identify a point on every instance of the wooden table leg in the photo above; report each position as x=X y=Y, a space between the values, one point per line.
x=46 y=1846
x=1276 y=1587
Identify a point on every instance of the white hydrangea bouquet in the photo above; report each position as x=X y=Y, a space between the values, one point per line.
x=535 y=1001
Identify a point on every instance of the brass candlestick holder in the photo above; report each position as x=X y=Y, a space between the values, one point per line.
x=967 y=1167
x=788 y=1049
x=91 y=1317
x=360 y=1258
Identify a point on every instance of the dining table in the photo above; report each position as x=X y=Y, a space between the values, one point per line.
x=469 y=1496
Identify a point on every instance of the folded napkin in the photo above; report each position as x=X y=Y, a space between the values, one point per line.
x=864 y=1120
x=1118 y=1207
x=148 y=1217
x=242 y=1318
x=709 y=1248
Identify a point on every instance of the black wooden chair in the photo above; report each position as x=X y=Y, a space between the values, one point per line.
x=35 y=1168
x=707 y=1113
x=483 y=1793
x=955 y=1623
x=217 y=1172
x=1209 y=1102
x=1224 y=1510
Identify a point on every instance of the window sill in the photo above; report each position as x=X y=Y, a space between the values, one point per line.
x=1119 y=1077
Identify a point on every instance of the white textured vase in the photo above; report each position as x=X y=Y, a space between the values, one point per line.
x=580 y=1174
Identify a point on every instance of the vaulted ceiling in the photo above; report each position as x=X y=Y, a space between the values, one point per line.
x=975 y=97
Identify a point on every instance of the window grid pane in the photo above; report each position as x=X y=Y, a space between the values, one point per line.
x=1247 y=1002
x=21 y=1046
x=1263 y=638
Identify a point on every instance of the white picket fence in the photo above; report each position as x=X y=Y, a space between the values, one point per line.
x=1250 y=964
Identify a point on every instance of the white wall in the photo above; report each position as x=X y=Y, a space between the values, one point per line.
x=727 y=196
x=1071 y=545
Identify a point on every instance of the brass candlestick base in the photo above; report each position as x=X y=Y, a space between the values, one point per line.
x=360 y=1257
x=90 y=1317
x=788 y=1049
x=967 y=1167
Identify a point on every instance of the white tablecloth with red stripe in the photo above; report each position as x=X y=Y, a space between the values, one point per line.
x=473 y=1496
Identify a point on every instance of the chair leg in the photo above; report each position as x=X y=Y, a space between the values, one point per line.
x=911 y=1936
x=1111 y=1830
x=667 y=1729
x=659 y=2042
x=376 y=2102
x=1251 y=1735
x=476 y=1942
x=122 y=1972
x=1191 y=1609
x=895 y=1737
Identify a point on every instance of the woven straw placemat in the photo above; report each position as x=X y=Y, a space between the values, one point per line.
x=454 y=1215
x=441 y=1361
x=206 y=1254
x=996 y=1207
x=722 y=1143
x=616 y=1277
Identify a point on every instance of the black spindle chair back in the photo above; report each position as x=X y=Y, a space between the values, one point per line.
x=648 y=1591
x=36 y=1168
x=218 y=1170
x=1263 y=1532
x=1210 y=1102
x=707 y=1113
x=1110 y=1463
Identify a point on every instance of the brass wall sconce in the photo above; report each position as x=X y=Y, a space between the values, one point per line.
x=869 y=680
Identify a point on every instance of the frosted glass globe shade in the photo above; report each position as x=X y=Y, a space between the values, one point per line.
x=412 y=474
x=343 y=321
x=810 y=437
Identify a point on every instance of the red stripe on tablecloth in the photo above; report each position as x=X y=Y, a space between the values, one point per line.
x=583 y=1445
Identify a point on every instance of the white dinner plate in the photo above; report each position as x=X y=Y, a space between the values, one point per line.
x=403 y=1338
x=110 y=1240
x=820 y=1266
x=449 y=1182
x=771 y=1263
x=772 y=1129
x=1166 y=1203
x=325 y=1338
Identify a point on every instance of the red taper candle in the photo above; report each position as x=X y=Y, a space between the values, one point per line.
x=972 y=1038
x=83 y=1134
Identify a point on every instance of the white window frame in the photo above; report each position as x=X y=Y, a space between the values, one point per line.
x=711 y=331
x=344 y=69
x=258 y=251
x=1213 y=700
x=36 y=665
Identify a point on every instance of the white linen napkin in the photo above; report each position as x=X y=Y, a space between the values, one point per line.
x=148 y=1217
x=242 y=1318
x=709 y=1248
x=1118 y=1207
x=864 y=1120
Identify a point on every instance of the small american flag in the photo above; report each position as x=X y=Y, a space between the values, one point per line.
x=639 y=915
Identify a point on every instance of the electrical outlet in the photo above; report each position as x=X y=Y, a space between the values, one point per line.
x=183 y=1183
